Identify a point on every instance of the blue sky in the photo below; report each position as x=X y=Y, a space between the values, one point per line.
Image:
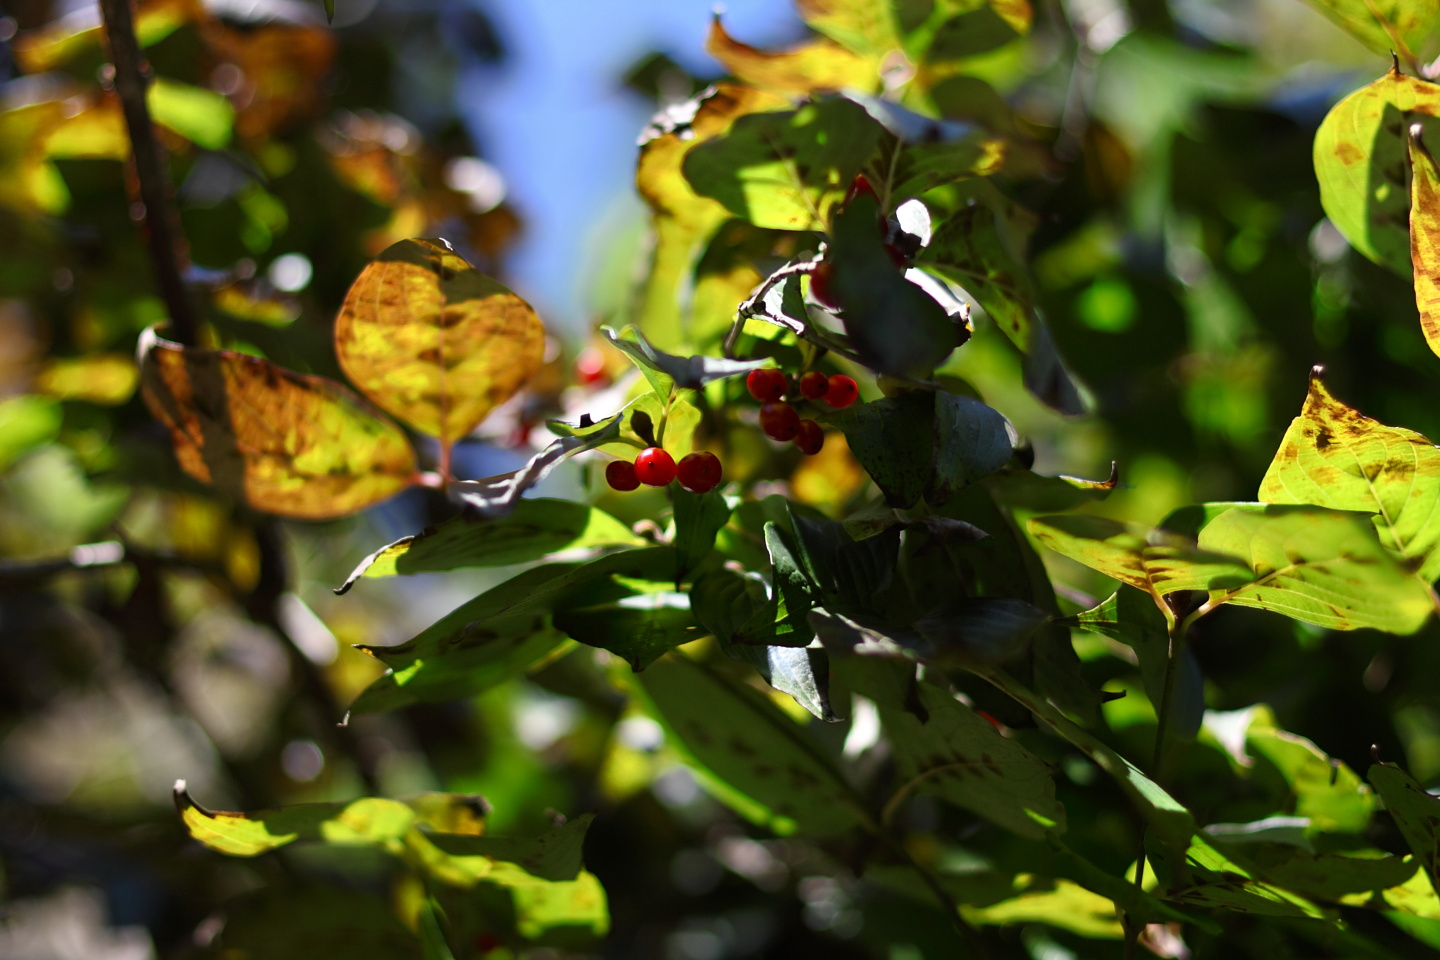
x=557 y=121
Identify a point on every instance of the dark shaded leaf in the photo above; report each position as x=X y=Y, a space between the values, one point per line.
x=554 y=856
x=698 y=518
x=687 y=373
x=497 y=497
x=1414 y=811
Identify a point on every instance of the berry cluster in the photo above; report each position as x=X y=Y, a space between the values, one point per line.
x=780 y=420
x=698 y=472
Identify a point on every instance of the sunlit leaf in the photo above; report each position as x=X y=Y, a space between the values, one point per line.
x=1332 y=456
x=1332 y=876
x=1152 y=560
x=786 y=171
x=434 y=341
x=571 y=911
x=1425 y=236
x=554 y=856
x=1415 y=811
x=815 y=66
x=1326 y=791
x=943 y=748
x=1360 y=161
x=534 y=529
x=1321 y=566
x=26 y=422
x=1384 y=25
x=79 y=33
x=865 y=26
x=975 y=248
x=768 y=768
x=1212 y=879
x=1132 y=617
x=1066 y=905
x=299 y=446
x=683 y=219
x=203 y=117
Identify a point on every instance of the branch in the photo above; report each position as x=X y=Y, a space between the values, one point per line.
x=159 y=222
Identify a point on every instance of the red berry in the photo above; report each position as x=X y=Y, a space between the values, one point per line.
x=620 y=474
x=654 y=467
x=861 y=184
x=779 y=421
x=767 y=384
x=590 y=366
x=820 y=285
x=698 y=472
x=843 y=391
x=809 y=438
x=814 y=385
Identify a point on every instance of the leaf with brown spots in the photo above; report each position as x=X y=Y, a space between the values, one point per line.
x=1414 y=811
x=1325 y=567
x=1360 y=161
x=1332 y=456
x=434 y=341
x=1425 y=236
x=1384 y=25
x=293 y=445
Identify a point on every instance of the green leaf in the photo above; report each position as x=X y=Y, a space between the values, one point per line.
x=802 y=672
x=286 y=922
x=1212 y=879
x=1155 y=561
x=1325 y=567
x=553 y=856
x=498 y=497
x=636 y=625
x=979 y=248
x=867 y=27
x=925 y=444
x=842 y=570
x=896 y=326
x=1425 y=236
x=504 y=631
x=734 y=607
x=1361 y=155
x=666 y=370
x=1132 y=617
x=786 y=170
x=983 y=629
x=203 y=117
x=534 y=529
x=1384 y=25
x=698 y=518
x=1326 y=792
x=792 y=585
x=432 y=934
x=764 y=762
x=571 y=913
x=26 y=422
x=1334 y=457
x=1059 y=903
x=1331 y=876
x=1414 y=811
x=941 y=747
x=1015 y=487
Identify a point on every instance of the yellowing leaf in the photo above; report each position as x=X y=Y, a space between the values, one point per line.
x=821 y=64
x=1360 y=163
x=288 y=444
x=434 y=341
x=1425 y=237
x=684 y=220
x=1384 y=25
x=865 y=26
x=106 y=379
x=1332 y=456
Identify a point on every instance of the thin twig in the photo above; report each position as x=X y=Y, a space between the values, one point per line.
x=158 y=219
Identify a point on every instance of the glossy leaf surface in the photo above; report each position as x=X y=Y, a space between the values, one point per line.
x=1425 y=235
x=298 y=446
x=434 y=341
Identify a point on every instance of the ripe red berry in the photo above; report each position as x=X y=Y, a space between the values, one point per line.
x=767 y=384
x=698 y=472
x=820 y=285
x=861 y=184
x=779 y=421
x=809 y=438
x=814 y=385
x=589 y=367
x=620 y=474
x=654 y=467
x=843 y=391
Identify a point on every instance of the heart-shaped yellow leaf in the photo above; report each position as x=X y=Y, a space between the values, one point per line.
x=434 y=341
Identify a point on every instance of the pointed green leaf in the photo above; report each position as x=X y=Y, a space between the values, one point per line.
x=1384 y=25
x=1361 y=156
x=1415 y=811
x=534 y=529
x=767 y=766
x=942 y=747
x=893 y=439
x=1325 y=791
x=1325 y=567
x=1332 y=456
x=698 y=518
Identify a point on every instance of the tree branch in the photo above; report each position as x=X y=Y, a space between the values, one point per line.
x=158 y=219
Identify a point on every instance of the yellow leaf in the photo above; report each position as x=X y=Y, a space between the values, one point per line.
x=1425 y=237
x=298 y=446
x=107 y=379
x=821 y=64
x=435 y=342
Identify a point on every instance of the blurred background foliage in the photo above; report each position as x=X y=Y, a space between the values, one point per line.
x=1182 y=261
